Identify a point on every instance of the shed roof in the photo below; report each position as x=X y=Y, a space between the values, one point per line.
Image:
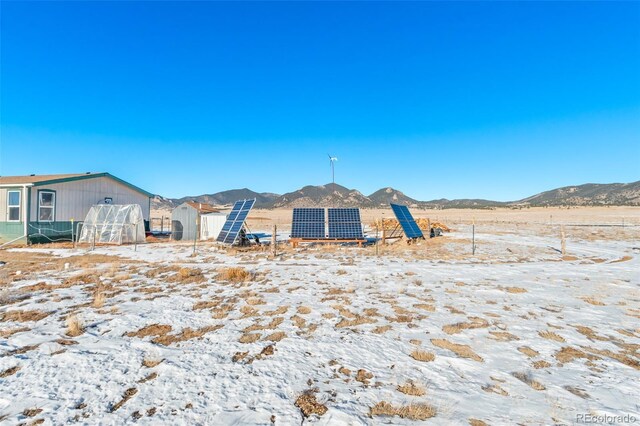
x=203 y=208
x=37 y=180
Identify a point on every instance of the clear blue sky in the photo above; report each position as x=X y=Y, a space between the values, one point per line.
x=493 y=100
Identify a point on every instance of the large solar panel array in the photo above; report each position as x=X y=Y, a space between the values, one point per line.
x=345 y=223
x=235 y=220
x=308 y=223
x=408 y=224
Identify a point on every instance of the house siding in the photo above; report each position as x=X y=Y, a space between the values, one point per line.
x=75 y=198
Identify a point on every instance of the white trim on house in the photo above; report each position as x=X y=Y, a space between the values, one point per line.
x=13 y=206
x=52 y=207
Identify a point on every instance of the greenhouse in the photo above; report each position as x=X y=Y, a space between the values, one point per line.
x=113 y=224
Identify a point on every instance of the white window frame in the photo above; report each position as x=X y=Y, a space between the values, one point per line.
x=13 y=206
x=52 y=207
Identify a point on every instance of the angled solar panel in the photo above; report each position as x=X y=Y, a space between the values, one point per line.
x=408 y=224
x=235 y=220
x=308 y=223
x=345 y=223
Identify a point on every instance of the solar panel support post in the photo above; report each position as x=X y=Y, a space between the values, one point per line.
x=274 y=249
x=429 y=227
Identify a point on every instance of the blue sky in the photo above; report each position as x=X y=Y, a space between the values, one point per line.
x=494 y=100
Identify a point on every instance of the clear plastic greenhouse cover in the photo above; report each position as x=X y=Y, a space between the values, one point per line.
x=113 y=224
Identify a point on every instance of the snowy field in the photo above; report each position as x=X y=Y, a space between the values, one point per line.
x=515 y=334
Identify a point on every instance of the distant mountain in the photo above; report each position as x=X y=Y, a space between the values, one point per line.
x=324 y=195
x=590 y=194
x=264 y=199
x=622 y=194
x=384 y=196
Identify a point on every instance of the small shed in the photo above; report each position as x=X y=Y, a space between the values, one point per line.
x=184 y=217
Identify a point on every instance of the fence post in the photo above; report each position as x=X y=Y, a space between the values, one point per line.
x=563 y=242
x=274 y=248
x=195 y=239
x=473 y=237
x=135 y=239
x=429 y=227
x=72 y=239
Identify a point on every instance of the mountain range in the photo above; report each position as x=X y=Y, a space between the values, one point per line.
x=613 y=194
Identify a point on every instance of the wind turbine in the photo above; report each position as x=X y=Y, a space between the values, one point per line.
x=333 y=172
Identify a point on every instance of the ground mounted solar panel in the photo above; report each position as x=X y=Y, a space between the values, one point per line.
x=345 y=223
x=308 y=223
x=408 y=224
x=235 y=220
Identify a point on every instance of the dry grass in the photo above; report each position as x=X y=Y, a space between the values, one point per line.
x=249 y=338
x=128 y=394
x=151 y=361
x=476 y=322
x=515 y=290
x=98 y=300
x=463 y=351
x=148 y=377
x=568 y=354
x=276 y=337
x=187 y=276
x=358 y=320
x=279 y=311
x=31 y=412
x=74 y=326
x=476 y=422
x=150 y=330
x=550 y=335
x=593 y=301
x=308 y=404
x=304 y=310
x=24 y=316
x=526 y=378
x=411 y=388
x=425 y=306
x=239 y=356
x=235 y=275
x=411 y=411
x=11 y=331
x=185 y=334
x=424 y=356
x=541 y=364
x=528 y=351
x=363 y=376
x=382 y=329
x=503 y=336
x=620 y=357
x=9 y=371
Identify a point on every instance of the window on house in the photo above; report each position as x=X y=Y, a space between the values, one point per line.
x=46 y=206
x=13 y=205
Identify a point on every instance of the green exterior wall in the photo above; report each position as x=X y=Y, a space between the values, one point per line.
x=44 y=232
x=10 y=231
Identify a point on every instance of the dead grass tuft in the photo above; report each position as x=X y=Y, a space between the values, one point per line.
x=187 y=276
x=235 y=275
x=24 y=316
x=593 y=301
x=463 y=351
x=424 y=356
x=249 y=338
x=276 y=337
x=150 y=330
x=541 y=364
x=526 y=378
x=128 y=394
x=9 y=371
x=185 y=334
x=98 y=300
x=31 y=412
x=550 y=335
x=528 y=351
x=515 y=290
x=358 y=320
x=363 y=376
x=304 y=310
x=476 y=322
x=382 y=329
x=411 y=388
x=74 y=326
x=476 y=422
x=151 y=361
x=411 y=411
x=308 y=404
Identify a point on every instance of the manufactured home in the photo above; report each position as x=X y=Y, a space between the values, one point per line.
x=190 y=219
x=48 y=207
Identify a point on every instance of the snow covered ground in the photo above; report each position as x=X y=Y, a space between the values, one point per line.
x=514 y=334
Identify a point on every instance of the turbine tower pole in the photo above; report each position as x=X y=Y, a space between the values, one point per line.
x=333 y=170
